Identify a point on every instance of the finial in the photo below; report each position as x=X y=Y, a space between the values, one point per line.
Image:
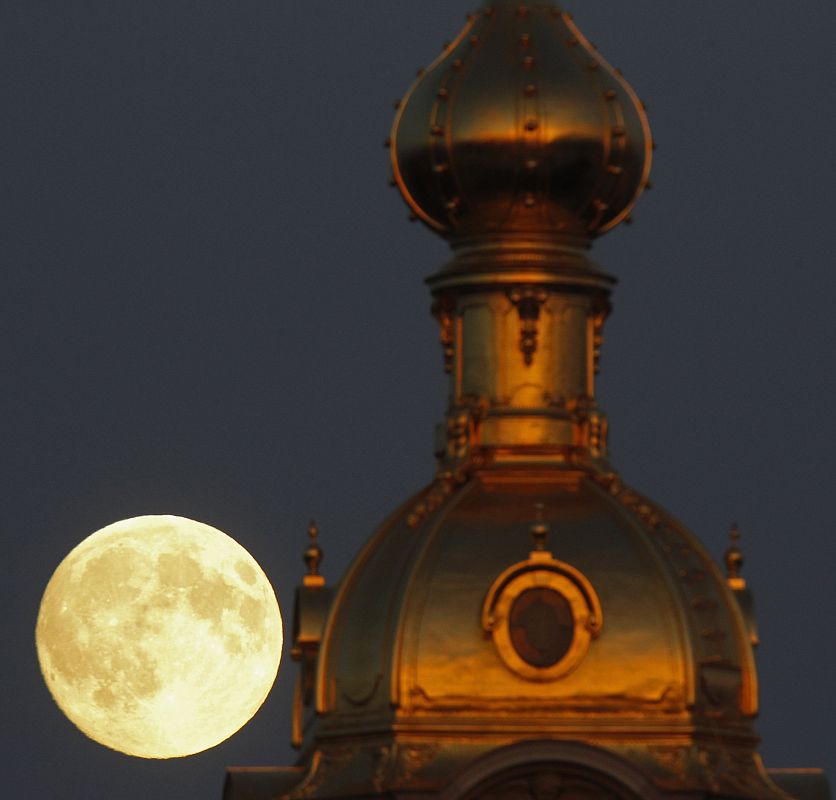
x=313 y=557
x=734 y=560
x=539 y=529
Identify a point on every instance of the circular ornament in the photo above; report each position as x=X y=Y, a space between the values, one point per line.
x=542 y=616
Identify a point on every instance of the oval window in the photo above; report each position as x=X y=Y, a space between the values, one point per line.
x=542 y=627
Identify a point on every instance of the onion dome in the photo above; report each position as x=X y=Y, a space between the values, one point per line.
x=521 y=127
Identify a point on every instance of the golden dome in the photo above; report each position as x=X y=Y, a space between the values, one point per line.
x=406 y=648
x=520 y=126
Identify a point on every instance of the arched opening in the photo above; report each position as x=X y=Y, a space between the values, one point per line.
x=551 y=770
x=550 y=781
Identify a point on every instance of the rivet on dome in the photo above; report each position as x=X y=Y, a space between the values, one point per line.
x=530 y=90
x=458 y=64
x=453 y=204
x=525 y=40
x=474 y=40
x=437 y=130
x=528 y=62
x=600 y=204
x=442 y=93
x=531 y=125
x=530 y=201
x=592 y=66
x=522 y=11
x=610 y=95
x=618 y=131
x=614 y=169
x=572 y=41
x=488 y=12
x=440 y=168
x=532 y=164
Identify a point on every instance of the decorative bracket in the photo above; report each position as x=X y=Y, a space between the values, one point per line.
x=444 y=310
x=592 y=424
x=600 y=314
x=528 y=301
x=462 y=424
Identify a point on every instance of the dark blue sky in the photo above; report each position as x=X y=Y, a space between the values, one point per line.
x=212 y=305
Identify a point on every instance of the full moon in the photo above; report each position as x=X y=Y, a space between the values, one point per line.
x=159 y=636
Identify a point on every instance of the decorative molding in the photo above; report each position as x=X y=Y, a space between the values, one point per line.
x=444 y=310
x=382 y=760
x=566 y=586
x=712 y=630
x=443 y=486
x=600 y=313
x=463 y=420
x=528 y=301
x=412 y=758
x=611 y=776
x=323 y=765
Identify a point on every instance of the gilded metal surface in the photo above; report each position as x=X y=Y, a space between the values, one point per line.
x=523 y=364
x=521 y=126
x=410 y=691
x=542 y=572
x=720 y=649
x=310 y=610
x=520 y=144
x=733 y=558
x=670 y=661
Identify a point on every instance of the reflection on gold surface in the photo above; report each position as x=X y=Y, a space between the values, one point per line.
x=449 y=639
x=545 y=586
x=520 y=125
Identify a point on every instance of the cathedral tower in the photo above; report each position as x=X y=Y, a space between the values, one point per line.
x=528 y=625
